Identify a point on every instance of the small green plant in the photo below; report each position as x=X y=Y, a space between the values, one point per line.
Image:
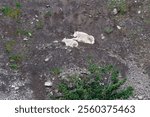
x=56 y=71
x=13 y=66
x=147 y=21
x=121 y=5
x=9 y=45
x=14 y=61
x=94 y=86
x=108 y=30
x=13 y=12
x=15 y=58
x=24 y=32
x=39 y=25
x=48 y=14
x=18 y=5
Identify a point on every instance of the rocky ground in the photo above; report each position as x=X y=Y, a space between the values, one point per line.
x=31 y=46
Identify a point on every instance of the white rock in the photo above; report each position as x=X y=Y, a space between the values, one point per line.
x=56 y=90
x=47 y=5
x=139 y=12
x=36 y=16
x=105 y=78
x=70 y=42
x=16 y=88
x=102 y=36
x=51 y=93
x=115 y=11
x=25 y=39
x=83 y=37
x=30 y=34
x=90 y=16
x=13 y=86
x=37 y=20
x=140 y=97
x=56 y=41
x=47 y=59
x=119 y=27
x=48 y=84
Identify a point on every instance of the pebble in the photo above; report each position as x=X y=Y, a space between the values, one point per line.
x=51 y=93
x=55 y=41
x=30 y=34
x=102 y=36
x=105 y=78
x=47 y=6
x=53 y=78
x=46 y=60
x=56 y=90
x=37 y=20
x=115 y=11
x=140 y=97
x=34 y=19
x=90 y=16
x=48 y=84
x=36 y=16
x=102 y=84
x=119 y=27
x=25 y=39
x=32 y=22
x=139 y=12
x=16 y=88
x=13 y=86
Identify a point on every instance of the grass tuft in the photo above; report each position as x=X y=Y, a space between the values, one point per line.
x=15 y=61
x=56 y=71
x=9 y=45
x=121 y=5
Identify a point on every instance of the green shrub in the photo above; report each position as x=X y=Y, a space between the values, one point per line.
x=94 y=86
